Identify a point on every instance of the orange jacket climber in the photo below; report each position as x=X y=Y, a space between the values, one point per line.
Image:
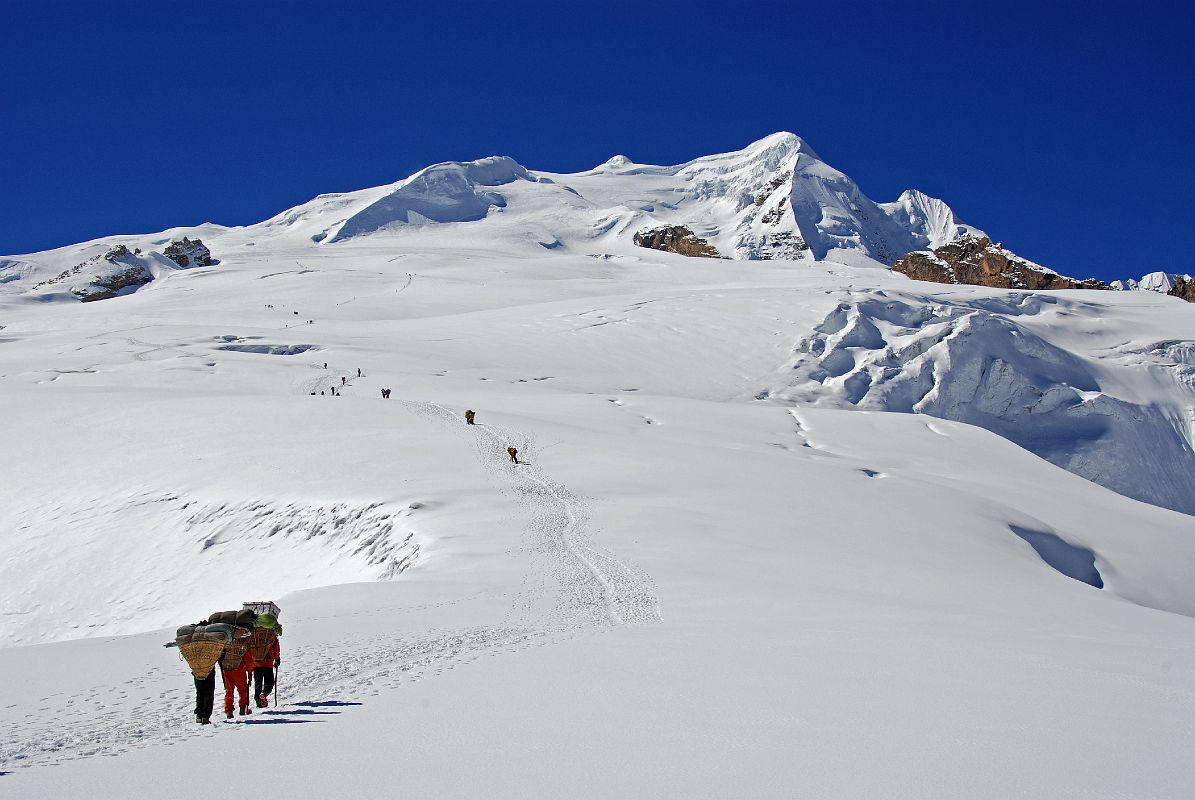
x=235 y=666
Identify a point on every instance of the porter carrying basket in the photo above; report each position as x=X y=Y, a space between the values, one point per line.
x=202 y=645
x=201 y=657
x=234 y=651
x=260 y=643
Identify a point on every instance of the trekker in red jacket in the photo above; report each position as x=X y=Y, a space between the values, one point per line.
x=235 y=666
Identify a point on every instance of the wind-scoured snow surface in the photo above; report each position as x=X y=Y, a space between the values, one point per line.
x=780 y=527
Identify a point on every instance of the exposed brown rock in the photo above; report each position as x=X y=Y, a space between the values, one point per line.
x=676 y=239
x=978 y=262
x=189 y=253
x=779 y=245
x=109 y=286
x=772 y=186
x=116 y=255
x=773 y=216
x=1184 y=289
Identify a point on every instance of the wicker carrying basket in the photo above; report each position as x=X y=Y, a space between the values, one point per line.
x=260 y=643
x=201 y=656
x=234 y=651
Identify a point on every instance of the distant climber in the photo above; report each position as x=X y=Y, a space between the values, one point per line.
x=325 y=365
x=358 y=372
x=342 y=380
x=469 y=417
x=386 y=394
x=514 y=454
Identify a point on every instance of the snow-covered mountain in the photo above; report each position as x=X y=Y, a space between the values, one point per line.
x=773 y=199
x=785 y=520
x=1174 y=284
x=1161 y=282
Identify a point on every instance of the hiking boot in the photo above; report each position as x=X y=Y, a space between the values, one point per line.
x=228 y=714
x=203 y=721
x=262 y=702
x=246 y=710
x=199 y=719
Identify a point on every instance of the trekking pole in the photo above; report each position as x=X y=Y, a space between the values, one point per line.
x=276 y=671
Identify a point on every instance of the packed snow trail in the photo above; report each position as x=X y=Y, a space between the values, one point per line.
x=597 y=587
x=569 y=586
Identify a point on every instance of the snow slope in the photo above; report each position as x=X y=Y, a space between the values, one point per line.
x=723 y=569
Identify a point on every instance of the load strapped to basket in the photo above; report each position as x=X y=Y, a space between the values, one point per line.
x=265 y=628
x=241 y=619
x=242 y=628
x=202 y=646
x=264 y=607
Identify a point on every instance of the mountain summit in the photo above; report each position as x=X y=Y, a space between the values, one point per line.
x=774 y=199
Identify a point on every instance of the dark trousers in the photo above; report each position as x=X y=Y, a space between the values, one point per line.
x=205 y=695
x=263 y=681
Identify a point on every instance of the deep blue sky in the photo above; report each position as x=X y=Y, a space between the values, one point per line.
x=1063 y=130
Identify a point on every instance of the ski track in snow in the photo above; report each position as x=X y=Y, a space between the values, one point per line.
x=570 y=586
x=595 y=587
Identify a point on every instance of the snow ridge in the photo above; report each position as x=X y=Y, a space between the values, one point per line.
x=449 y=192
x=982 y=363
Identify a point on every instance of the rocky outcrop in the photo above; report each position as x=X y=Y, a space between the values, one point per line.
x=976 y=261
x=120 y=270
x=782 y=245
x=772 y=186
x=117 y=256
x=1184 y=288
x=108 y=286
x=188 y=253
x=106 y=274
x=676 y=239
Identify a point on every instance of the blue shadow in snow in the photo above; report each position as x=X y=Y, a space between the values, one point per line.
x=1071 y=560
x=325 y=703
x=279 y=721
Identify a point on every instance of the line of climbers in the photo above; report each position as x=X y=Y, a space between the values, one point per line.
x=241 y=642
x=470 y=415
